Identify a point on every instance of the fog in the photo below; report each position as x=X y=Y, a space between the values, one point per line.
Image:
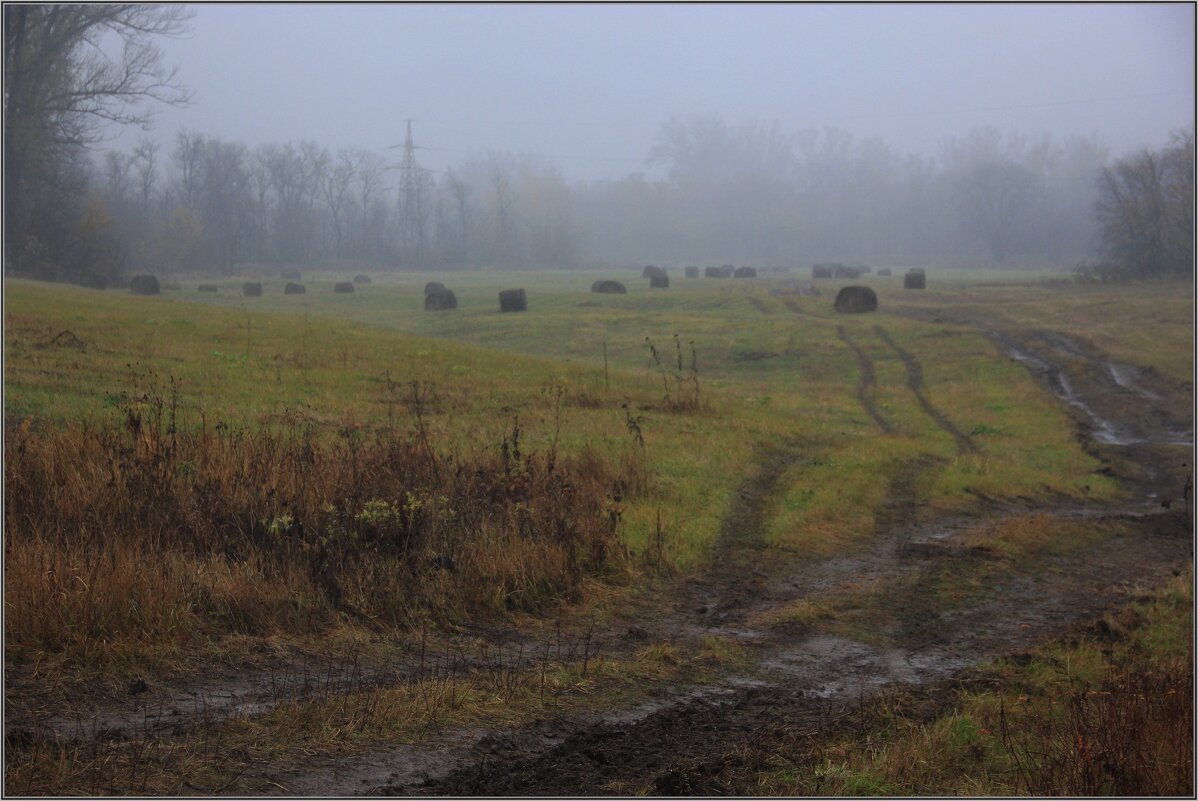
x=567 y=135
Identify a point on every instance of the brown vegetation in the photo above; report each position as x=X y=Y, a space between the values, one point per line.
x=141 y=535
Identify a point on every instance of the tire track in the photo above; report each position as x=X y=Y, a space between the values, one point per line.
x=915 y=383
x=793 y=305
x=759 y=305
x=865 y=385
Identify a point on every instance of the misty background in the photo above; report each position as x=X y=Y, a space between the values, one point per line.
x=567 y=135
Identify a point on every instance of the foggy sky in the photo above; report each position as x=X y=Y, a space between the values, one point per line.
x=589 y=86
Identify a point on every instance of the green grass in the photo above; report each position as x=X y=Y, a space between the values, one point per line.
x=764 y=378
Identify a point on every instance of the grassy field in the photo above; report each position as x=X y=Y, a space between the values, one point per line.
x=200 y=478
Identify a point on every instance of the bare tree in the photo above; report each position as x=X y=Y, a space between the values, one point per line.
x=62 y=88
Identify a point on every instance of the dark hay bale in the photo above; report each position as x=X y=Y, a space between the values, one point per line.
x=608 y=287
x=362 y=279
x=144 y=285
x=821 y=271
x=714 y=272
x=342 y=287
x=207 y=287
x=293 y=288
x=853 y=299
x=433 y=286
x=651 y=271
x=252 y=289
x=843 y=271
x=513 y=300
x=915 y=280
x=863 y=269
x=659 y=282
x=745 y=272
x=440 y=300
x=692 y=272
x=884 y=271
x=289 y=274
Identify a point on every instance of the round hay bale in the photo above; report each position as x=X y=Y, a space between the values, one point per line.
x=714 y=272
x=440 y=300
x=513 y=300
x=433 y=286
x=884 y=271
x=651 y=271
x=854 y=299
x=659 y=282
x=293 y=288
x=608 y=287
x=745 y=272
x=289 y=274
x=144 y=285
x=915 y=280
x=362 y=279
x=692 y=272
x=342 y=287
x=844 y=271
x=207 y=287
x=821 y=271
x=252 y=289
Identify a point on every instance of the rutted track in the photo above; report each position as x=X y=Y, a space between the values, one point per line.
x=915 y=384
x=866 y=382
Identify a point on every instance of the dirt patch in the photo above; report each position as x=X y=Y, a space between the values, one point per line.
x=915 y=384
x=866 y=382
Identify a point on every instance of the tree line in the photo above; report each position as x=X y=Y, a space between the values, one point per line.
x=719 y=193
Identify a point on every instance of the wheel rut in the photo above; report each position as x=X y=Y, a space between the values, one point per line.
x=915 y=383
x=866 y=383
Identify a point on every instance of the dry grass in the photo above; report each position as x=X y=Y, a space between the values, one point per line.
x=146 y=535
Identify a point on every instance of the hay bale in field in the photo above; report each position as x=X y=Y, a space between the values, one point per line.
x=252 y=289
x=144 y=285
x=713 y=272
x=289 y=274
x=854 y=299
x=821 y=271
x=745 y=272
x=513 y=300
x=844 y=271
x=440 y=300
x=659 y=282
x=885 y=271
x=692 y=272
x=293 y=288
x=207 y=287
x=342 y=287
x=915 y=280
x=433 y=286
x=362 y=279
x=608 y=287
x=651 y=271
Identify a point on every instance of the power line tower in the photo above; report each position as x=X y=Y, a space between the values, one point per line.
x=412 y=191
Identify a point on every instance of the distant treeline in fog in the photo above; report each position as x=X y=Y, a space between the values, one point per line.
x=748 y=194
